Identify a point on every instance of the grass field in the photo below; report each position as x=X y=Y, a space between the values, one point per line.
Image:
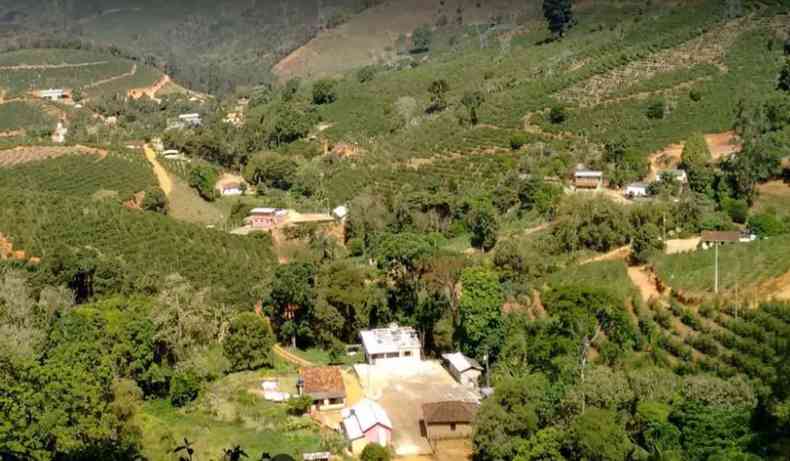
x=44 y=56
x=228 y=414
x=611 y=275
x=775 y=197
x=742 y=266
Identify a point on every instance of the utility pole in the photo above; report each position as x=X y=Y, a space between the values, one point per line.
x=716 y=283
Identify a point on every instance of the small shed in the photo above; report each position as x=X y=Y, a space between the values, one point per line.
x=449 y=420
x=324 y=385
x=231 y=189
x=364 y=423
x=53 y=94
x=636 y=190
x=464 y=369
x=588 y=179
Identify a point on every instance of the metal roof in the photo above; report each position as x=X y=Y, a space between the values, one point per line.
x=362 y=417
x=392 y=339
x=461 y=362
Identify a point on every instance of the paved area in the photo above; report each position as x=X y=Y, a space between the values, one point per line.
x=401 y=389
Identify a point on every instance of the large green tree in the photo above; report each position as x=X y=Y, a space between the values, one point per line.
x=598 y=435
x=480 y=312
x=249 y=343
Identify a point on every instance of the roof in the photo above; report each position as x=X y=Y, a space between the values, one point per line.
x=589 y=174
x=449 y=412
x=461 y=362
x=189 y=116
x=323 y=382
x=362 y=417
x=638 y=185
x=390 y=339
x=721 y=236
x=341 y=211
x=275 y=211
x=231 y=185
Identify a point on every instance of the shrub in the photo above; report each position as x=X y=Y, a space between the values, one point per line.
x=421 y=39
x=738 y=210
x=184 y=388
x=324 y=92
x=375 y=452
x=557 y=115
x=695 y=95
x=249 y=343
x=299 y=405
x=367 y=74
x=155 y=200
x=767 y=225
x=656 y=110
x=784 y=77
x=203 y=179
x=518 y=140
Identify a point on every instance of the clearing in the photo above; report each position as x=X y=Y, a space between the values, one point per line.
x=721 y=145
x=773 y=196
x=402 y=390
x=26 y=154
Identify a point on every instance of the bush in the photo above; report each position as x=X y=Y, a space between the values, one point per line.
x=784 y=77
x=421 y=38
x=695 y=95
x=366 y=74
x=184 y=388
x=203 y=179
x=767 y=225
x=518 y=140
x=656 y=110
x=557 y=115
x=299 y=405
x=249 y=343
x=375 y=452
x=324 y=92
x=738 y=210
x=155 y=200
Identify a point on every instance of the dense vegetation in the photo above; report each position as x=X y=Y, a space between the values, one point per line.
x=454 y=168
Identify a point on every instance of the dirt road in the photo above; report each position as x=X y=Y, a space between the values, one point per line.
x=52 y=66
x=165 y=182
x=112 y=79
x=291 y=358
x=642 y=279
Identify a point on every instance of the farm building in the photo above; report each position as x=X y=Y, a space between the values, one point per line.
x=55 y=94
x=266 y=218
x=636 y=190
x=449 y=420
x=324 y=385
x=588 y=179
x=231 y=189
x=678 y=175
x=388 y=344
x=465 y=370
x=364 y=423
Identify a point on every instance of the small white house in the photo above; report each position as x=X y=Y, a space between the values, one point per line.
x=231 y=189
x=389 y=344
x=340 y=212
x=54 y=94
x=679 y=175
x=636 y=190
x=464 y=369
x=190 y=119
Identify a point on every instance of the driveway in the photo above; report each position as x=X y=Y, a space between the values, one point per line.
x=401 y=388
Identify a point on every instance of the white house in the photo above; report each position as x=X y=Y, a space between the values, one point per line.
x=340 y=212
x=679 y=175
x=384 y=345
x=54 y=94
x=464 y=369
x=637 y=189
x=190 y=119
x=231 y=189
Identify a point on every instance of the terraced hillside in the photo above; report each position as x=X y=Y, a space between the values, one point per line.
x=95 y=74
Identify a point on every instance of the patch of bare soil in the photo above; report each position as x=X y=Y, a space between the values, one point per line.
x=26 y=154
x=676 y=246
x=777 y=288
x=150 y=91
x=721 y=146
x=645 y=281
x=614 y=255
x=709 y=48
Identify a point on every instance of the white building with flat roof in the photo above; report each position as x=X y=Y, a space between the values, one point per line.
x=392 y=343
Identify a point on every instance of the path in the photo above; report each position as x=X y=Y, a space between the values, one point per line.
x=290 y=357
x=52 y=66
x=150 y=91
x=614 y=255
x=165 y=182
x=644 y=281
x=112 y=79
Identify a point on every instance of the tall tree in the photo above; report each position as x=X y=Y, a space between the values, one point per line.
x=480 y=312
x=559 y=15
x=249 y=342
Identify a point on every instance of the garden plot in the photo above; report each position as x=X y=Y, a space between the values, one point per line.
x=22 y=155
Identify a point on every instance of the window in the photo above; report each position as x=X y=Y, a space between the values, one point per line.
x=452 y=427
x=407 y=354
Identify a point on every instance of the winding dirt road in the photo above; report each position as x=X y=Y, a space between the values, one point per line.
x=165 y=182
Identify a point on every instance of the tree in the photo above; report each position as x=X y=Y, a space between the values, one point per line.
x=656 y=109
x=695 y=152
x=233 y=454
x=558 y=115
x=299 y=404
x=155 y=200
x=421 y=39
x=472 y=102
x=184 y=388
x=367 y=73
x=646 y=242
x=784 y=77
x=598 y=435
x=293 y=297
x=375 y=452
x=438 y=90
x=484 y=227
x=249 y=343
x=324 y=92
x=291 y=88
x=203 y=179
x=271 y=169
x=559 y=15
x=480 y=312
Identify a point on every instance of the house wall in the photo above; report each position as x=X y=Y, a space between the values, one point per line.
x=405 y=354
x=379 y=434
x=470 y=378
x=327 y=405
x=448 y=431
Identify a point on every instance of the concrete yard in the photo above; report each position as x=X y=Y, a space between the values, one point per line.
x=401 y=388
